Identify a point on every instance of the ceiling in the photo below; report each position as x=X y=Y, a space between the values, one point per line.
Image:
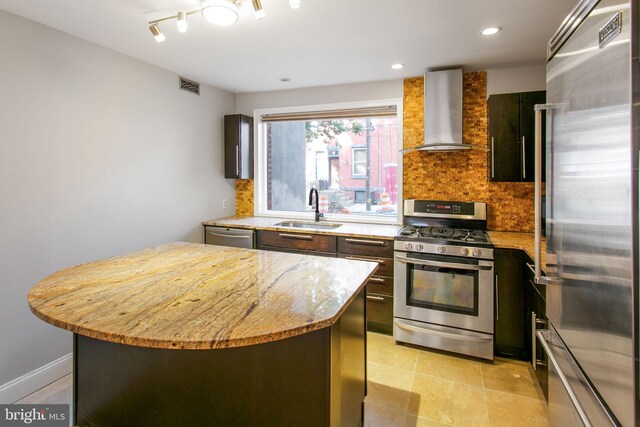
x=324 y=42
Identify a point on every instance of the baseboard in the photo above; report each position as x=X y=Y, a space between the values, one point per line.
x=32 y=381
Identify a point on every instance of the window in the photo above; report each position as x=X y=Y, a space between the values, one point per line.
x=350 y=156
x=359 y=162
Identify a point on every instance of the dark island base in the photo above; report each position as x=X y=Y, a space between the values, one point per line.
x=314 y=379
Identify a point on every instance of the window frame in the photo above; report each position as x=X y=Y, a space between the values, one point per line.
x=355 y=148
x=260 y=169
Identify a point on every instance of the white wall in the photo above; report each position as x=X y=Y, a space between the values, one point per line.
x=499 y=80
x=388 y=89
x=518 y=79
x=100 y=155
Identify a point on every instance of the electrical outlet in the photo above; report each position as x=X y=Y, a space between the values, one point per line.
x=224 y=204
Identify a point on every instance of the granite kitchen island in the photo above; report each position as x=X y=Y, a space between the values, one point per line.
x=190 y=334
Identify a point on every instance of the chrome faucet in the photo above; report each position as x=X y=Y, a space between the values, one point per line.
x=318 y=214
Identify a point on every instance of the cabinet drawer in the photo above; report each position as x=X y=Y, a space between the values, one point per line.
x=379 y=313
x=368 y=247
x=385 y=265
x=293 y=240
x=380 y=285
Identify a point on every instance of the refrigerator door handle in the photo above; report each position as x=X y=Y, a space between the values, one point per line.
x=539 y=109
x=565 y=383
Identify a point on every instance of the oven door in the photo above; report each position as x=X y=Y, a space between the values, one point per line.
x=444 y=290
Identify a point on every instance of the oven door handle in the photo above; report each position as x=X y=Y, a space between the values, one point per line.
x=411 y=328
x=407 y=260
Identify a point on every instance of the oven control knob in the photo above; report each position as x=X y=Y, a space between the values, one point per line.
x=441 y=249
x=476 y=252
x=408 y=246
x=464 y=251
x=419 y=247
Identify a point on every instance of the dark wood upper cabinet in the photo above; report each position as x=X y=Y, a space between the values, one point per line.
x=238 y=146
x=512 y=136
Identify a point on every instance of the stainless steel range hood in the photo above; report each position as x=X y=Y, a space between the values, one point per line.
x=443 y=113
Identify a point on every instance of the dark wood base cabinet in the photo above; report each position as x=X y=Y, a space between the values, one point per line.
x=314 y=379
x=520 y=311
x=536 y=318
x=379 y=288
x=294 y=242
x=509 y=303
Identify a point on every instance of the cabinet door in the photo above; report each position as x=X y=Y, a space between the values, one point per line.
x=528 y=100
x=504 y=137
x=296 y=242
x=509 y=315
x=238 y=146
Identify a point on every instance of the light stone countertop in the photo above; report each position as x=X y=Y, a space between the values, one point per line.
x=195 y=296
x=500 y=239
x=516 y=240
x=348 y=229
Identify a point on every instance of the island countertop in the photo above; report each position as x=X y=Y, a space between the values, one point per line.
x=194 y=296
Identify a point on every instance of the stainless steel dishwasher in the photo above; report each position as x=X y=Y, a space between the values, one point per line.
x=236 y=237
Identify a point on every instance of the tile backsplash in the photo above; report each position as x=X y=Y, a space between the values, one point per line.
x=461 y=175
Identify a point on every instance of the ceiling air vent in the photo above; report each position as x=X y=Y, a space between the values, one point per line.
x=189 y=85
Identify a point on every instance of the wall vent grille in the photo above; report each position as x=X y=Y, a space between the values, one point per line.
x=189 y=85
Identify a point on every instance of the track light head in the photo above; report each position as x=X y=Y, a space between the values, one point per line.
x=258 y=10
x=157 y=34
x=182 y=23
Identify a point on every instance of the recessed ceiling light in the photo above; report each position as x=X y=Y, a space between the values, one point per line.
x=285 y=79
x=490 y=31
x=397 y=66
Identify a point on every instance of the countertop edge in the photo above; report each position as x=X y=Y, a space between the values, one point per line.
x=196 y=345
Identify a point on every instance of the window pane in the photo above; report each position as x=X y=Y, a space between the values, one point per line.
x=359 y=155
x=359 y=169
x=331 y=156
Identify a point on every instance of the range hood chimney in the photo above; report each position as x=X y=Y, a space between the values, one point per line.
x=443 y=113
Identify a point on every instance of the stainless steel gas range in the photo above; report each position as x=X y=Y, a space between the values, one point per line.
x=443 y=288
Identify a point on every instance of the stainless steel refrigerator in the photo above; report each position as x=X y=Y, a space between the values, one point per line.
x=592 y=128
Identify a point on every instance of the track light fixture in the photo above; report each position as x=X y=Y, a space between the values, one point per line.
x=219 y=12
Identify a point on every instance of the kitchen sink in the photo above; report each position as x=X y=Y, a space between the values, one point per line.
x=309 y=224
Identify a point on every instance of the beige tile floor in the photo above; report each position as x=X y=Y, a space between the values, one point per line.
x=414 y=387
